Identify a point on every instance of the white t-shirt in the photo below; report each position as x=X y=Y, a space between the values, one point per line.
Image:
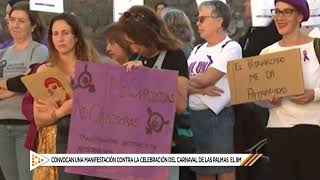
x=213 y=57
x=289 y=114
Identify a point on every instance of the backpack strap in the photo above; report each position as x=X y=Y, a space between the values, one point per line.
x=197 y=48
x=316 y=43
x=224 y=45
x=199 y=45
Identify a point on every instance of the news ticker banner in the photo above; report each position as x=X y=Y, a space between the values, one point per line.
x=37 y=160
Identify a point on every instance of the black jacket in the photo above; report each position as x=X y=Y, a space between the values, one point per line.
x=258 y=38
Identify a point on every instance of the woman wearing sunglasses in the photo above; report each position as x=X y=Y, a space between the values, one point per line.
x=294 y=121
x=212 y=118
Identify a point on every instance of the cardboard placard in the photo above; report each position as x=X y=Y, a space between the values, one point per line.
x=119 y=112
x=260 y=77
x=50 y=84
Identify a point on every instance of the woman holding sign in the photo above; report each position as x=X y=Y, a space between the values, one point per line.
x=294 y=122
x=212 y=118
x=149 y=37
x=67 y=44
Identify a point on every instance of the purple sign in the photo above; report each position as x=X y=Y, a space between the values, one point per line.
x=115 y=111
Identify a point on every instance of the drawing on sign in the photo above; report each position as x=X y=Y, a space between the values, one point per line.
x=155 y=122
x=85 y=81
x=56 y=91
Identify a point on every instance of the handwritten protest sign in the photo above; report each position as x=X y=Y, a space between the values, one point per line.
x=55 y=6
x=119 y=112
x=120 y=7
x=257 y=78
x=50 y=84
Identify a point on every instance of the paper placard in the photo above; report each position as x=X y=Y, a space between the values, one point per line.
x=122 y=6
x=55 y=6
x=260 y=77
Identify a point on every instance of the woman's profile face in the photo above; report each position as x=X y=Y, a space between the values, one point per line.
x=207 y=23
x=116 y=52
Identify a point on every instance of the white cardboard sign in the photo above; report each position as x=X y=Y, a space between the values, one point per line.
x=121 y=6
x=55 y=6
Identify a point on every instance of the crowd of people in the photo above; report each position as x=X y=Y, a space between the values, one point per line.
x=146 y=36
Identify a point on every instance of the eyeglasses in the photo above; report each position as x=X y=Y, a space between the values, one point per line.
x=284 y=13
x=201 y=19
x=136 y=16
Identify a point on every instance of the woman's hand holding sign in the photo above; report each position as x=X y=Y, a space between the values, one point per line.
x=132 y=65
x=304 y=98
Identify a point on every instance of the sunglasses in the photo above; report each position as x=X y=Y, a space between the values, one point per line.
x=201 y=19
x=136 y=16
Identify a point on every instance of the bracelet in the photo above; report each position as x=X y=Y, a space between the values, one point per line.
x=54 y=115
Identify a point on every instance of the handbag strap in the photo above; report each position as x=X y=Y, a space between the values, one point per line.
x=160 y=59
